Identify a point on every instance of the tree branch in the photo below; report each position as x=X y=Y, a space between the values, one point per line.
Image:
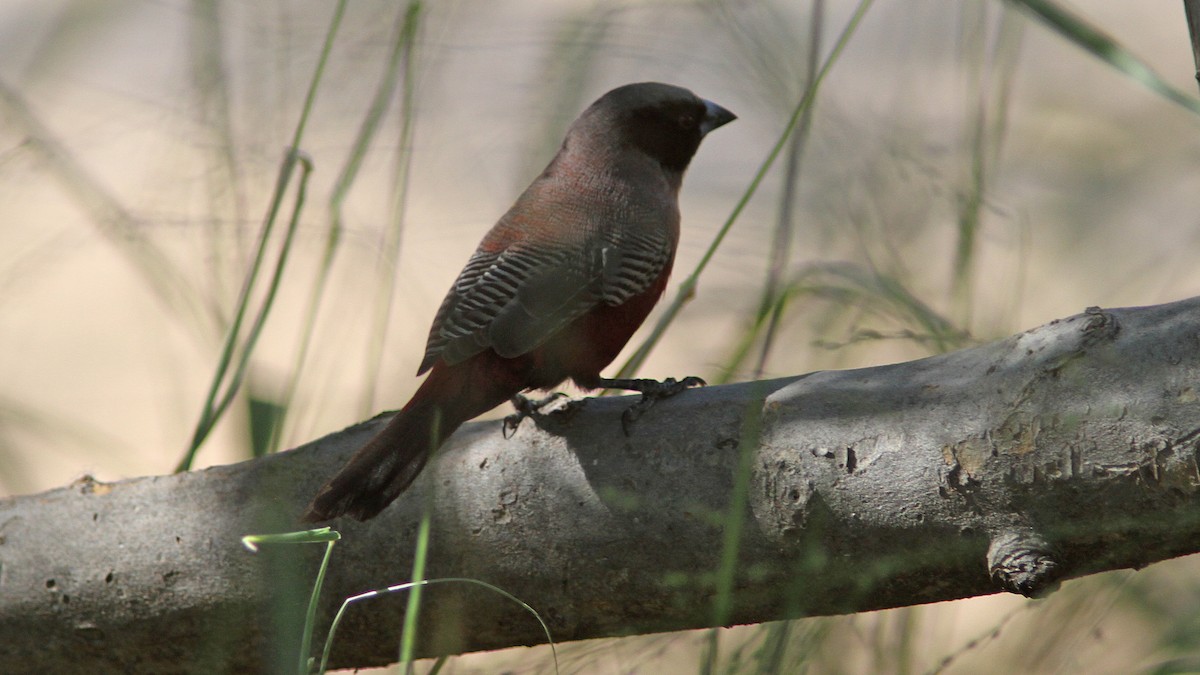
x=1059 y=452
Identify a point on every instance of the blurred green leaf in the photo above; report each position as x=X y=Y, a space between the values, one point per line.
x=1078 y=30
x=266 y=416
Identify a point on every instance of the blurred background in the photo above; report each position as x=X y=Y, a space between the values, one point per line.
x=962 y=174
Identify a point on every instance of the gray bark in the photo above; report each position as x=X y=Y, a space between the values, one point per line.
x=1059 y=452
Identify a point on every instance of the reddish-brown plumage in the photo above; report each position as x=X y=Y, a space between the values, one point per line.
x=554 y=290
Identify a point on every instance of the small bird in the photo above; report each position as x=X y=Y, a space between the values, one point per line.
x=554 y=291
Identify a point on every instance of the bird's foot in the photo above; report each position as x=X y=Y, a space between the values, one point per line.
x=652 y=392
x=532 y=408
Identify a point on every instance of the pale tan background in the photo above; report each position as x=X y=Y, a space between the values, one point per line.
x=178 y=113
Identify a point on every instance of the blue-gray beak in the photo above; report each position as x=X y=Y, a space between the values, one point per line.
x=714 y=116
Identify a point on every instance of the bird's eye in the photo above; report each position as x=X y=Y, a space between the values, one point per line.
x=687 y=121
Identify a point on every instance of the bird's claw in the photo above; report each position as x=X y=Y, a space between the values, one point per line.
x=686 y=383
x=527 y=407
x=653 y=392
x=510 y=424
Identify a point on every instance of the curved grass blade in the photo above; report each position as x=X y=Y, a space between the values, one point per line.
x=429 y=582
x=1078 y=30
x=324 y=535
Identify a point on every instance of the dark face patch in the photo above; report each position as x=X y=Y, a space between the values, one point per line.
x=668 y=131
x=661 y=120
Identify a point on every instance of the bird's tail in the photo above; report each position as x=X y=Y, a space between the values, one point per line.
x=388 y=463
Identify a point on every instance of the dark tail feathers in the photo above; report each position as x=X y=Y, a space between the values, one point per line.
x=393 y=458
x=381 y=470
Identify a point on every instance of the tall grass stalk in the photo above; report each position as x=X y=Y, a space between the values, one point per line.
x=206 y=41
x=216 y=402
x=688 y=288
x=412 y=612
x=781 y=246
x=393 y=235
x=368 y=130
x=564 y=76
x=990 y=76
x=731 y=528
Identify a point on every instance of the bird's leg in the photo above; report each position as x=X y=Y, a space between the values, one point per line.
x=526 y=407
x=652 y=392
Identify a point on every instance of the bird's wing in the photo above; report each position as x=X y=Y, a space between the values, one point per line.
x=633 y=262
x=515 y=299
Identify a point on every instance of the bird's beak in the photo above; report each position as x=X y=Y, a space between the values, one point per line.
x=714 y=116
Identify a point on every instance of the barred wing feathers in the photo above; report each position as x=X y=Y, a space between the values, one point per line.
x=515 y=299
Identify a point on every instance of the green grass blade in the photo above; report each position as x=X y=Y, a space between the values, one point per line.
x=368 y=130
x=688 y=288
x=1078 y=30
x=324 y=535
x=213 y=408
x=872 y=291
x=393 y=235
x=408 y=635
x=781 y=247
x=735 y=514
x=266 y=415
x=217 y=401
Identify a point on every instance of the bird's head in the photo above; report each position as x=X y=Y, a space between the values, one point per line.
x=663 y=121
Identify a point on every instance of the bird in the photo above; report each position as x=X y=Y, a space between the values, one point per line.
x=553 y=292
